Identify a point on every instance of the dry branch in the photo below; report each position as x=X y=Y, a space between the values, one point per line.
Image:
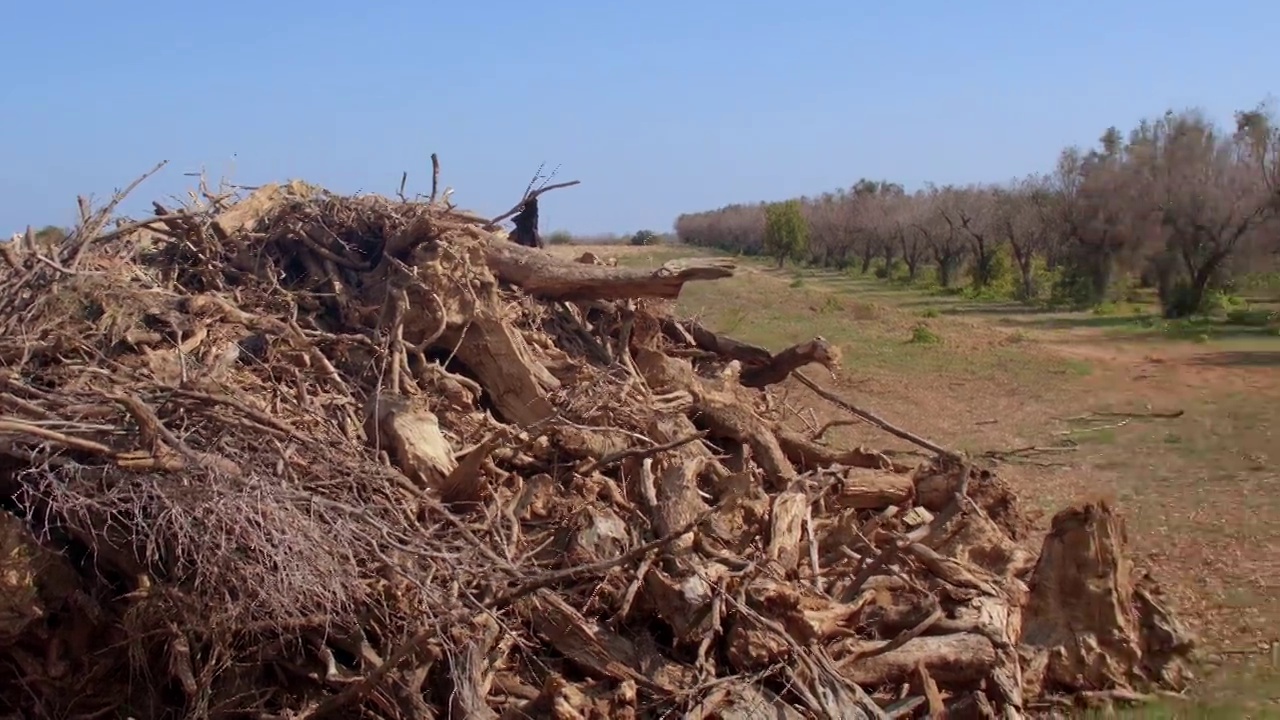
x=549 y=278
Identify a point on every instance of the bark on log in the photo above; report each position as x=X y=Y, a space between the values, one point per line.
x=544 y=276
x=953 y=661
x=809 y=455
x=864 y=489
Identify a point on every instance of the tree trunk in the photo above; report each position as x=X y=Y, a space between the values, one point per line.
x=947 y=263
x=1025 y=259
x=1100 y=272
x=983 y=262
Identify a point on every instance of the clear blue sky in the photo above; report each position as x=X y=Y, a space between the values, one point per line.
x=659 y=107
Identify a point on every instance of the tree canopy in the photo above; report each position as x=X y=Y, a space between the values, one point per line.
x=1178 y=203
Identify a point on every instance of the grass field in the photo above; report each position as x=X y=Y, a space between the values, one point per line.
x=1092 y=392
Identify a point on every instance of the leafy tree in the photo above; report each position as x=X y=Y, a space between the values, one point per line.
x=786 y=234
x=644 y=238
x=51 y=234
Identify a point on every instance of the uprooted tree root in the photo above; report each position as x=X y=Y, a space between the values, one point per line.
x=302 y=455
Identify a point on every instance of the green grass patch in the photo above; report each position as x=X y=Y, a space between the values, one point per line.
x=922 y=335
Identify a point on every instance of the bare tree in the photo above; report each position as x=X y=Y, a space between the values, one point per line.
x=1177 y=200
x=948 y=246
x=972 y=211
x=1017 y=214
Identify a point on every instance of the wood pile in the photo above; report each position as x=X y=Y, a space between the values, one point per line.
x=290 y=454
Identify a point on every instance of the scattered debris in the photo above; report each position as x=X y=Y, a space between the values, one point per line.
x=292 y=454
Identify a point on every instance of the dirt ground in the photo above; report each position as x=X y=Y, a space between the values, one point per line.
x=1089 y=404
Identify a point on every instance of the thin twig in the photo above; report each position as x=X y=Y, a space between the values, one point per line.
x=875 y=419
x=531 y=196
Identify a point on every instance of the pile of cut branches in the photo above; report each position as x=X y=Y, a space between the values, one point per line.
x=293 y=454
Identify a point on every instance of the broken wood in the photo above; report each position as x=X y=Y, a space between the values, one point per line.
x=411 y=435
x=548 y=278
x=863 y=489
x=780 y=366
x=1082 y=628
x=953 y=661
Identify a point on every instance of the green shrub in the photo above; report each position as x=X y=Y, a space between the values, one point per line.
x=895 y=272
x=922 y=335
x=1252 y=317
x=998 y=281
x=645 y=238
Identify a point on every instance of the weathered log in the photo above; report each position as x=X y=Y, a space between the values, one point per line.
x=864 y=489
x=760 y=367
x=248 y=212
x=954 y=661
x=981 y=542
x=722 y=345
x=518 y=385
x=599 y=534
x=721 y=409
x=681 y=591
x=809 y=455
x=547 y=277
x=792 y=614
